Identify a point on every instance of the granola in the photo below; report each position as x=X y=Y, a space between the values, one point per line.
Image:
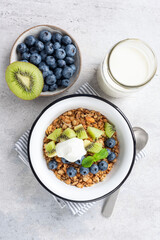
x=87 y=118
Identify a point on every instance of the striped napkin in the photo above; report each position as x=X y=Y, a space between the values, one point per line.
x=21 y=148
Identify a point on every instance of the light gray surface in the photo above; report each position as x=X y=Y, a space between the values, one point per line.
x=27 y=211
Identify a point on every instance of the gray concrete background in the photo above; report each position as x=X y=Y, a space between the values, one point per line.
x=27 y=211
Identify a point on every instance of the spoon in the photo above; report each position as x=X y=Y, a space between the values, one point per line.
x=141 y=140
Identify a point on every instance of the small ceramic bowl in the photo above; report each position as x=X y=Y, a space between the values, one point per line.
x=121 y=169
x=35 y=31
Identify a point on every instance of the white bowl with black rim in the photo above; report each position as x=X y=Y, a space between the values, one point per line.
x=35 y=31
x=122 y=168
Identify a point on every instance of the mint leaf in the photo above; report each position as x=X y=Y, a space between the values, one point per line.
x=88 y=161
x=100 y=155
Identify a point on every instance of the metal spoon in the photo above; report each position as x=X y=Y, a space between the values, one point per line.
x=141 y=140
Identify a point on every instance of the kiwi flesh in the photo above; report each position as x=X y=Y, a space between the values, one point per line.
x=25 y=80
x=55 y=134
x=93 y=147
x=109 y=129
x=87 y=144
x=67 y=134
x=95 y=133
x=50 y=149
x=80 y=131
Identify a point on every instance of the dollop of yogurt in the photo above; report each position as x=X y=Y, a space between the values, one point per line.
x=71 y=149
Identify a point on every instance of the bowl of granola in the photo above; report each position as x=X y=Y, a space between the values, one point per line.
x=81 y=148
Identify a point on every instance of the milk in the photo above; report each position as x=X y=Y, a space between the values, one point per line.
x=127 y=67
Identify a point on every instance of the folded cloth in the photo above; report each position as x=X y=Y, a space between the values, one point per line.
x=21 y=148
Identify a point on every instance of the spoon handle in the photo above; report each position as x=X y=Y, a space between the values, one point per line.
x=110 y=202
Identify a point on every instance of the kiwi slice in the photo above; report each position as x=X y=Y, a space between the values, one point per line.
x=93 y=147
x=80 y=131
x=67 y=134
x=50 y=149
x=55 y=134
x=109 y=129
x=87 y=144
x=95 y=133
x=25 y=80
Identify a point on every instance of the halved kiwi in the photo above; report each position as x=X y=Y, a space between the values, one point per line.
x=93 y=147
x=95 y=133
x=109 y=129
x=55 y=134
x=67 y=134
x=80 y=131
x=25 y=80
x=50 y=149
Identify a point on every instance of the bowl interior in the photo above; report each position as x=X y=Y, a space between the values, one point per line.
x=35 y=31
x=113 y=179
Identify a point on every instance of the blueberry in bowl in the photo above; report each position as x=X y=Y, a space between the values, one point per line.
x=54 y=52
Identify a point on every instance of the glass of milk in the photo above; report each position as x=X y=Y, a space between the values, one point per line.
x=128 y=67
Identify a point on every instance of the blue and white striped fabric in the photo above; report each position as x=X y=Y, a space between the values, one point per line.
x=21 y=148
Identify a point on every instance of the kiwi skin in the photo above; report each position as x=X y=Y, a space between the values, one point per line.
x=19 y=90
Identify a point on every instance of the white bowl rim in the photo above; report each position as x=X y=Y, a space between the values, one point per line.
x=127 y=122
x=62 y=30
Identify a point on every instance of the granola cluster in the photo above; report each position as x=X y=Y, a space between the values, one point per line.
x=70 y=119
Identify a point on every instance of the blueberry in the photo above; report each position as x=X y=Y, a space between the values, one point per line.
x=45 y=88
x=27 y=50
x=63 y=47
x=50 y=80
x=69 y=60
x=47 y=73
x=60 y=53
x=50 y=60
x=21 y=48
x=109 y=151
x=61 y=63
x=71 y=171
x=30 y=40
x=103 y=165
x=110 y=142
x=65 y=82
x=84 y=171
x=50 y=72
x=52 y=164
x=43 y=54
x=56 y=45
x=53 y=87
x=35 y=58
x=33 y=50
x=49 y=48
x=79 y=162
x=111 y=156
x=24 y=61
x=53 y=66
x=59 y=82
x=58 y=73
x=43 y=67
x=64 y=160
x=94 y=169
x=39 y=45
x=70 y=50
x=73 y=67
x=56 y=37
x=66 y=40
x=67 y=72
x=45 y=36
x=25 y=56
